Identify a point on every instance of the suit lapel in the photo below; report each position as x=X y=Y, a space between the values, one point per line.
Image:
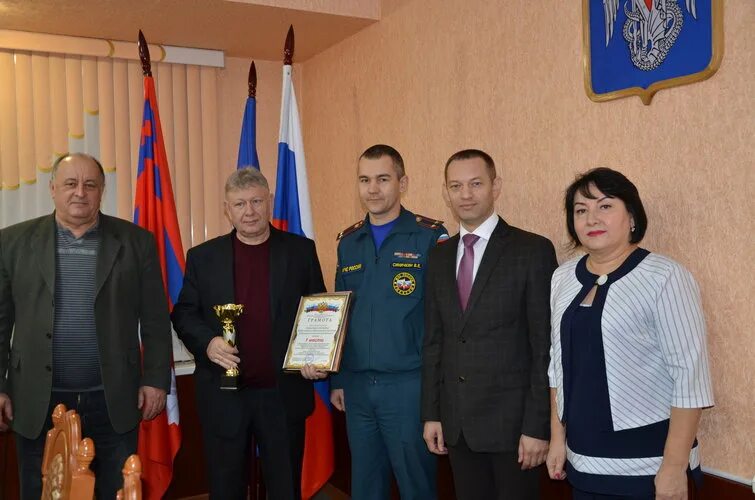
x=493 y=252
x=43 y=248
x=110 y=245
x=277 y=270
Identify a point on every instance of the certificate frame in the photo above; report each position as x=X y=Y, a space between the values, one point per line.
x=327 y=316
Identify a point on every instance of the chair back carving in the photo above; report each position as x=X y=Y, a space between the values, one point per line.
x=132 y=479
x=65 y=463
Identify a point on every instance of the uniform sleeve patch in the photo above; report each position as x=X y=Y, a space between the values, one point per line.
x=351 y=269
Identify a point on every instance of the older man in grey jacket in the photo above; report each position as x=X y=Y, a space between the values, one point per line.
x=76 y=289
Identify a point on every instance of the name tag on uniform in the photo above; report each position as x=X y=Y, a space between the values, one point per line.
x=406 y=265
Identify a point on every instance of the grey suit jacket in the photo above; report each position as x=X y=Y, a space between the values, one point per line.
x=129 y=294
x=484 y=370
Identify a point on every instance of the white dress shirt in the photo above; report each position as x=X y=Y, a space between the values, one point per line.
x=484 y=231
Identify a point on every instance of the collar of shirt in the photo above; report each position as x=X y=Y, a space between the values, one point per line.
x=404 y=223
x=68 y=234
x=484 y=230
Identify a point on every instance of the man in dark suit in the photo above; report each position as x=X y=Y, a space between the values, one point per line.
x=267 y=271
x=76 y=289
x=487 y=331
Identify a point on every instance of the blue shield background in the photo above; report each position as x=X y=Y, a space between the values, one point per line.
x=612 y=68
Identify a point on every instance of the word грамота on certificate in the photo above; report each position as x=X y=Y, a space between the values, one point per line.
x=319 y=331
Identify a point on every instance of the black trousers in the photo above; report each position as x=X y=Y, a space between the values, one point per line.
x=110 y=448
x=584 y=495
x=479 y=475
x=280 y=442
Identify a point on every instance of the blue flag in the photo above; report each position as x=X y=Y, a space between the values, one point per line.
x=248 y=143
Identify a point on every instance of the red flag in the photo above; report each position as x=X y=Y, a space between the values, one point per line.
x=155 y=210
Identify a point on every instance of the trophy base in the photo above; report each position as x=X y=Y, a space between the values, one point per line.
x=229 y=383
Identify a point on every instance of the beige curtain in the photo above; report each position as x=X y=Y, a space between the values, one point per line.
x=51 y=104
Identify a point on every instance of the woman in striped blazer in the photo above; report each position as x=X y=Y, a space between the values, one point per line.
x=629 y=366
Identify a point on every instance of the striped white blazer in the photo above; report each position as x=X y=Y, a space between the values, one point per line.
x=653 y=337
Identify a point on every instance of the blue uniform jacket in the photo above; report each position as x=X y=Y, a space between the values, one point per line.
x=386 y=325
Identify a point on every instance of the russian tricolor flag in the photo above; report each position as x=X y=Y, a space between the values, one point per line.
x=292 y=213
x=155 y=210
x=292 y=209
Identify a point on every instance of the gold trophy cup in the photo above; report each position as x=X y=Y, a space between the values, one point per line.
x=229 y=381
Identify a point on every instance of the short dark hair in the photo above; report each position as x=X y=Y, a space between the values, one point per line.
x=468 y=154
x=65 y=156
x=613 y=184
x=379 y=150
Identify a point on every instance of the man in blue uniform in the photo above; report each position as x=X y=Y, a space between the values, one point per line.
x=382 y=259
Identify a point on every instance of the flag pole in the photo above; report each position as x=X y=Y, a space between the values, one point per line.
x=292 y=212
x=159 y=438
x=255 y=472
x=252 y=80
x=288 y=48
x=255 y=486
x=144 y=55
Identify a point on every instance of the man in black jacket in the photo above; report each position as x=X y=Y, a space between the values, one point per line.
x=267 y=271
x=487 y=340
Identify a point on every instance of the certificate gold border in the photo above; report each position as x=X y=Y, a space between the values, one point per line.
x=646 y=95
x=334 y=358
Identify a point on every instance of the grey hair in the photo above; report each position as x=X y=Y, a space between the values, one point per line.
x=91 y=158
x=244 y=178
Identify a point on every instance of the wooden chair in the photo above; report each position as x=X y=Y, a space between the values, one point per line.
x=65 y=463
x=132 y=479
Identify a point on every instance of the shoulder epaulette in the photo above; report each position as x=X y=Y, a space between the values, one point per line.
x=428 y=222
x=350 y=229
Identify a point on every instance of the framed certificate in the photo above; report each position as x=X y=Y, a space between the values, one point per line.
x=319 y=332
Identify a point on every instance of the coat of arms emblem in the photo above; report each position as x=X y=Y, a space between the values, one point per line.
x=637 y=47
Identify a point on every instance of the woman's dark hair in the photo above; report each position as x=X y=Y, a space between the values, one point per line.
x=614 y=185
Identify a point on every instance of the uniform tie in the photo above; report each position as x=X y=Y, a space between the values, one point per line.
x=465 y=278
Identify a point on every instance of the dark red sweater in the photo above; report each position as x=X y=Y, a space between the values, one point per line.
x=251 y=271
